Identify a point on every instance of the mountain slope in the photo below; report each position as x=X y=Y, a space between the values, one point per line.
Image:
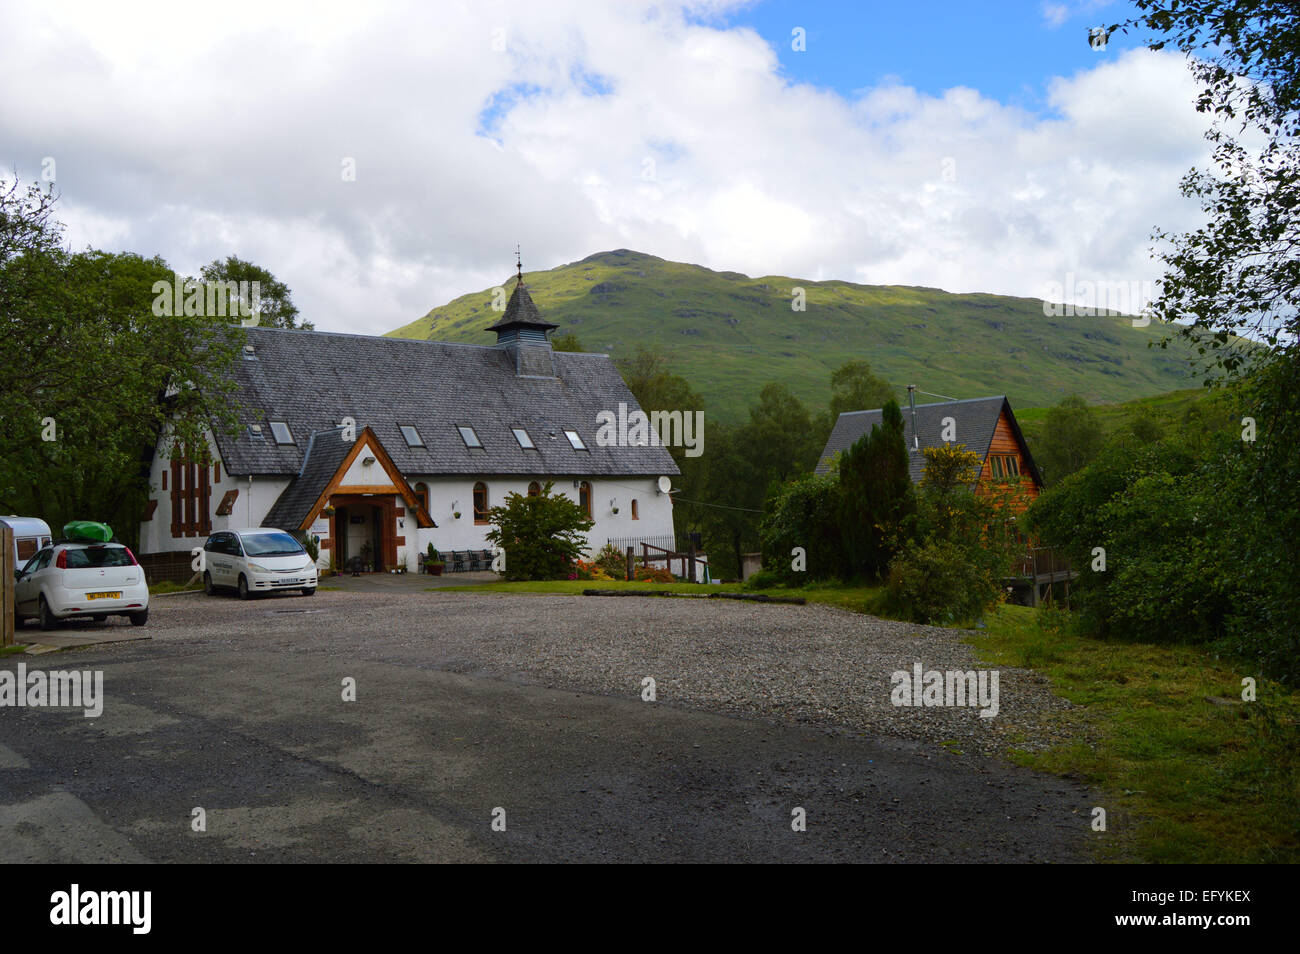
x=729 y=334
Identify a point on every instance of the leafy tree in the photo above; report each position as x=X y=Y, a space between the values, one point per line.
x=877 y=497
x=953 y=568
x=275 y=304
x=779 y=440
x=94 y=373
x=1070 y=439
x=654 y=386
x=566 y=341
x=1149 y=510
x=721 y=499
x=804 y=513
x=543 y=535
x=853 y=388
x=1234 y=282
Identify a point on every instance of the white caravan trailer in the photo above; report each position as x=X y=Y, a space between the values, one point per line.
x=30 y=535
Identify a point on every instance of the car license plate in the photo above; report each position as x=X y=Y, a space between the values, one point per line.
x=114 y=595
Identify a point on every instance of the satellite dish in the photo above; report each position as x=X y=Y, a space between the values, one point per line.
x=665 y=485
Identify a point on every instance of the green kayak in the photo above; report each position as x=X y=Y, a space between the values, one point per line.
x=88 y=530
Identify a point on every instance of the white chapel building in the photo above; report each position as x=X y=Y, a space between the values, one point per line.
x=383 y=445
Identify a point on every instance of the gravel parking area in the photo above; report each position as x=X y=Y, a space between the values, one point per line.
x=811 y=665
x=468 y=704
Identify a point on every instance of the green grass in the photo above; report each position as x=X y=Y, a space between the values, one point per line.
x=1186 y=780
x=1183 y=780
x=1166 y=410
x=167 y=586
x=859 y=599
x=575 y=587
x=12 y=650
x=729 y=334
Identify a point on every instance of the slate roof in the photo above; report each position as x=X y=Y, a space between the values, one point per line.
x=321 y=460
x=976 y=419
x=312 y=379
x=521 y=310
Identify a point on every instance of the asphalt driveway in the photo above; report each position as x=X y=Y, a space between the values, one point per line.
x=238 y=709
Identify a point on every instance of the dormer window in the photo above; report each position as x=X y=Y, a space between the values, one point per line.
x=280 y=431
x=411 y=435
x=575 y=440
x=522 y=437
x=470 y=438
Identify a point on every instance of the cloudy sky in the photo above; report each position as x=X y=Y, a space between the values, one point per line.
x=966 y=146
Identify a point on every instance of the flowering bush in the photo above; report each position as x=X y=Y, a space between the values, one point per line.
x=612 y=561
x=654 y=575
x=588 y=571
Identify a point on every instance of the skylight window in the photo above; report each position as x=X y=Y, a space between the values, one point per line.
x=575 y=440
x=522 y=437
x=412 y=436
x=280 y=431
x=469 y=437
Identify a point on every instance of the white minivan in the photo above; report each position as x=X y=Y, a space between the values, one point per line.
x=259 y=560
x=81 y=580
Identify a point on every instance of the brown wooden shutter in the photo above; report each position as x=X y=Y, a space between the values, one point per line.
x=204 y=503
x=191 y=498
x=176 y=497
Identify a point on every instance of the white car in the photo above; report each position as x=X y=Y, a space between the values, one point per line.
x=256 y=561
x=80 y=580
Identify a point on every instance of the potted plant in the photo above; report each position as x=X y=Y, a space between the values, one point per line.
x=456 y=514
x=433 y=562
x=367 y=552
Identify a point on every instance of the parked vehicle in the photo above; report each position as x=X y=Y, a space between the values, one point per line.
x=73 y=579
x=254 y=561
x=31 y=534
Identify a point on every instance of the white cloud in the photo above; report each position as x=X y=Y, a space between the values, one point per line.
x=189 y=134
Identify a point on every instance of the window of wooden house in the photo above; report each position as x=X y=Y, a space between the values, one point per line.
x=636 y=515
x=1004 y=467
x=534 y=489
x=584 y=497
x=480 y=503
x=422 y=495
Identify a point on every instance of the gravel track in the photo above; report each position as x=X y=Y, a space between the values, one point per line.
x=810 y=665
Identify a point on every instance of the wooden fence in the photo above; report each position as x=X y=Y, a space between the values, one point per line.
x=6 y=585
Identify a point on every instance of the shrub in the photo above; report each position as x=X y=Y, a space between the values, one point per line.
x=763 y=580
x=612 y=561
x=953 y=571
x=654 y=575
x=543 y=535
x=942 y=582
x=588 y=571
x=803 y=513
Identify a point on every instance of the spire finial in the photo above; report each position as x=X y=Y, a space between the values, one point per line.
x=519 y=264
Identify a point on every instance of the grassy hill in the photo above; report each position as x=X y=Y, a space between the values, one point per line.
x=1165 y=410
x=729 y=334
